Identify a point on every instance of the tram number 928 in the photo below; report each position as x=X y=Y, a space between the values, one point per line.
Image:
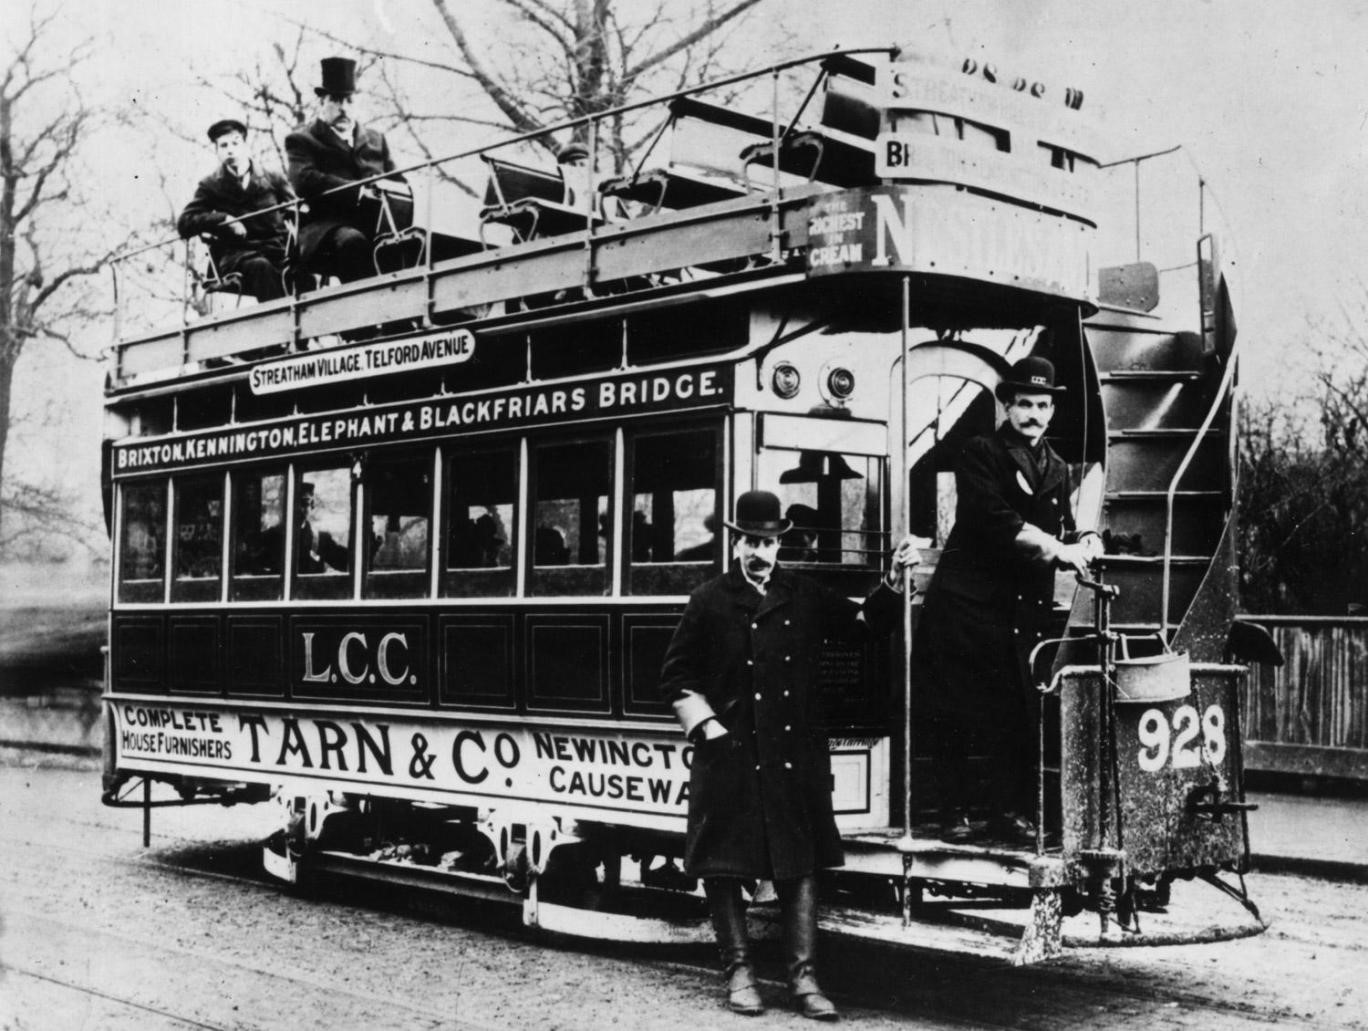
x=1181 y=740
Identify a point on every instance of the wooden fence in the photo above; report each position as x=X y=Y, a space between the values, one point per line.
x=1310 y=716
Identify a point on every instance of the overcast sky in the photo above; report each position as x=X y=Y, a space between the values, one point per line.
x=1269 y=96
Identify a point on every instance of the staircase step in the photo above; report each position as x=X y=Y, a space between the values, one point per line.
x=1148 y=459
x=1121 y=347
x=1141 y=584
x=1153 y=400
x=1198 y=519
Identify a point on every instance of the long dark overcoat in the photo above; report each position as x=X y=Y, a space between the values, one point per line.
x=988 y=604
x=220 y=197
x=320 y=161
x=760 y=796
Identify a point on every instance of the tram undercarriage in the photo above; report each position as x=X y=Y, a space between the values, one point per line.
x=623 y=884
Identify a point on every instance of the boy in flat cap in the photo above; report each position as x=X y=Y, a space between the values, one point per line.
x=228 y=206
x=333 y=150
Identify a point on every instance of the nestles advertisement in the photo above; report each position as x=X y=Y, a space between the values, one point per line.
x=937 y=230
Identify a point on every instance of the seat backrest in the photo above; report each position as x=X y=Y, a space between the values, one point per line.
x=710 y=138
x=509 y=183
x=850 y=102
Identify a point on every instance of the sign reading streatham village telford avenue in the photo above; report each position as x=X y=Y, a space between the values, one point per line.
x=612 y=397
x=434 y=351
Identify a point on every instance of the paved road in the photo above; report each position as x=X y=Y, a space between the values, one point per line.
x=98 y=933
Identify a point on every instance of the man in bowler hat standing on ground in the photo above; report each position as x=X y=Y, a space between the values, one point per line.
x=990 y=600
x=337 y=235
x=250 y=247
x=742 y=675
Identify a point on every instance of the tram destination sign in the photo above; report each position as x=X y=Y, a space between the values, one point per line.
x=612 y=397
x=335 y=365
x=939 y=230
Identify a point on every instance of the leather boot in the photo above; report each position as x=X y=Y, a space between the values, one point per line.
x=798 y=906
x=729 y=924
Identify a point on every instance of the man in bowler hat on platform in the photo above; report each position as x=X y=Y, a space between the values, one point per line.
x=250 y=247
x=742 y=675
x=990 y=601
x=337 y=234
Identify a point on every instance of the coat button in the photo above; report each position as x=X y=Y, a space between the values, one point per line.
x=757 y=767
x=788 y=622
x=788 y=766
x=788 y=658
x=750 y=662
x=757 y=696
x=788 y=726
x=755 y=626
x=786 y=694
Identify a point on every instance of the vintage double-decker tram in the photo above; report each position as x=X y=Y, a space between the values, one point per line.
x=405 y=553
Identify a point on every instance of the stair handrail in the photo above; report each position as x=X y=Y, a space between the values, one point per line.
x=1226 y=385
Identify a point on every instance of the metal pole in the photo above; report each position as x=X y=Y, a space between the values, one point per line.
x=147 y=812
x=907 y=573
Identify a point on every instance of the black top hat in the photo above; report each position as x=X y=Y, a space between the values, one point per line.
x=339 y=77
x=819 y=465
x=224 y=126
x=757 y=514
x=1031 y=375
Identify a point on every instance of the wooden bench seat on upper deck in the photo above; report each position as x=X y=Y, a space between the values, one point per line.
x=531 y=201
x=839 y=150
x=705 y=164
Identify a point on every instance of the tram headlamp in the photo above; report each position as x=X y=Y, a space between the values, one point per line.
x=786 y=381
x=840 y=383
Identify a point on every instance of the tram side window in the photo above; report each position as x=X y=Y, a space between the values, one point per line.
x=198 y=543
x=258 y=535
x=322 y=537
x=570 y=517
x=832 y=500
x=482 y=494
x=399 y=500
x=673 y=539
x=142 y=551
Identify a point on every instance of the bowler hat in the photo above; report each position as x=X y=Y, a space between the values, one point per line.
x=339 y=77
x=572 y=152
x=819 y=465
x=224 y=126
x=757 y=514
x=1033 y=375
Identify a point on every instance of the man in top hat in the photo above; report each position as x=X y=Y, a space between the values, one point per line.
x=990 y=601
x=742 y=675
x=250 y=245
x=337 y=235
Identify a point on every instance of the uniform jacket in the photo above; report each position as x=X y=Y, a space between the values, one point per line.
x=760 y=796
x=991 y=596
x=221 y=196
x=320 y=161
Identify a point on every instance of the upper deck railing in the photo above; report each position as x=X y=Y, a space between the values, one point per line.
x=737 y=200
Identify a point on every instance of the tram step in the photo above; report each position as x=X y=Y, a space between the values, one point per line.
x=1141 y=584
x=1148 y=459
x=1139 y=517
x=1153 y=400
x=1117 y=347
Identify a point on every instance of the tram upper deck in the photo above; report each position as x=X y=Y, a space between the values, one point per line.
x=978 y=189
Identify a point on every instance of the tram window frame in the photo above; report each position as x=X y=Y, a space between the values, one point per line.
x=673 y=576
x=266 y=583
x=184 y=586
x=152 y=587
x=851 y=577
x=470 y=581
x=570 y=578
x=400 y=581
x=330 y=583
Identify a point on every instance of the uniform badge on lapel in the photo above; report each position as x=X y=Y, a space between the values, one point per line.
x=1022 y=483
